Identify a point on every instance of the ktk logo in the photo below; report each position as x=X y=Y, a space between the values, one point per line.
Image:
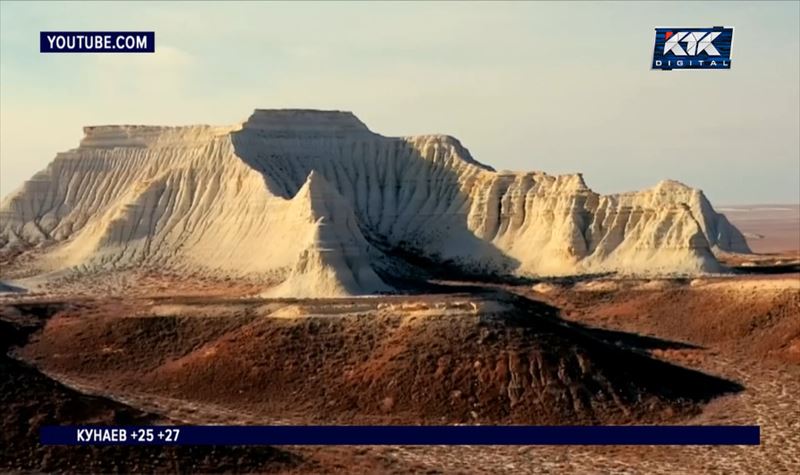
x=693 y=48
x=696 y=43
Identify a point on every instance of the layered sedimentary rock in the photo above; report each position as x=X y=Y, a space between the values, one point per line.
x=337 y=260
x=241 y=201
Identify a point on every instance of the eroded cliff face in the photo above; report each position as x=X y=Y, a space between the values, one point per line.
x=225 y=200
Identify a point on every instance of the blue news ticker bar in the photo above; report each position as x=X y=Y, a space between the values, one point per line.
x=97 y=42
x=403 y=435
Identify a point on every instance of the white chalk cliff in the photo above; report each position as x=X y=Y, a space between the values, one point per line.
x=336 y=259
x=306 y=196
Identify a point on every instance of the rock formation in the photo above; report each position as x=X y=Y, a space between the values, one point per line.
x=337 y=259
x=307 y=196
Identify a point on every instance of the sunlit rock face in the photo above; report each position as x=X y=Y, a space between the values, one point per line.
x=309 y=195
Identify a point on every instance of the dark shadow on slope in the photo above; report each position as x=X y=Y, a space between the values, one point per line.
x=420 y=273
x=4 y=287
x=508 y=358
x=626 y=351
x=634 y=341
x=767 y=269
x=618 y=338
x=424 y=220
x=31 y=400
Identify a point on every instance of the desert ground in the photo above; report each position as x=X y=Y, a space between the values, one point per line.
x=299 y=268
x=767 y=228
x=711 y=350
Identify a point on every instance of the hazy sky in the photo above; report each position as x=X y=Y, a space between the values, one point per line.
x=525 y=86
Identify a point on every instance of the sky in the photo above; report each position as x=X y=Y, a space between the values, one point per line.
x=558 y=87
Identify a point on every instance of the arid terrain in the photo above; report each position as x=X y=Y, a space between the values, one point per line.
x=767 y=228
x=298 y=268
x=708 y=350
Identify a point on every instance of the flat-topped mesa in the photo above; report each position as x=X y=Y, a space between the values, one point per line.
x=143 y=136
x=305 y=123
x=272 y=123
x=217 y=199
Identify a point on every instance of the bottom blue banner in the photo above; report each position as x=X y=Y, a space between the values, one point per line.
x=401 y=435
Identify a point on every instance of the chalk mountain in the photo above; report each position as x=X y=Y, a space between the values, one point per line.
x=315 y=200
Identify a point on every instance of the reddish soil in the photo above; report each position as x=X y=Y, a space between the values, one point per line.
x=458 y=361
x=674 y=344
x=31 y=400
x=752 y=317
